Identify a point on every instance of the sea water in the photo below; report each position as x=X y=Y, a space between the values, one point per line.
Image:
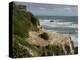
x=61 y=24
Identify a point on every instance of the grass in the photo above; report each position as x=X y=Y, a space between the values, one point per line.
x=19 y=52
x=22 y=23
x=22 y=52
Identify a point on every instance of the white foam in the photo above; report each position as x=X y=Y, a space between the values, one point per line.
x=57 y=23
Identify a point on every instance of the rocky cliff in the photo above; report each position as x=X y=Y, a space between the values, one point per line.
x=58 y=40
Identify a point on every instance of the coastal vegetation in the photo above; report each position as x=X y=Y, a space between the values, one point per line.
x=23 y=22
x=44 y=36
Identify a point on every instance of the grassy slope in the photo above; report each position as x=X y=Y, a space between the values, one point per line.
x=23 y=22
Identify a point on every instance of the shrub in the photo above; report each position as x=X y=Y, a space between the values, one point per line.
x=44 y=36
x=76 y=50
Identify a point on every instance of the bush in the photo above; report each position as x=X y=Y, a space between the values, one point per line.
x=44 y=36
x=34 y=20
x=76 y=50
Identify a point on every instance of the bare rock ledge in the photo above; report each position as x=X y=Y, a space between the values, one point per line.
x=54 y=39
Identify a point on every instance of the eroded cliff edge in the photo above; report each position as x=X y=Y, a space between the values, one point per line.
x=58 y=40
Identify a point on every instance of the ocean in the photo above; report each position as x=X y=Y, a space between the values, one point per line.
x=61 y=24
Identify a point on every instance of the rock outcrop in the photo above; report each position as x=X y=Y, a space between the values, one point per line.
x=55 y=39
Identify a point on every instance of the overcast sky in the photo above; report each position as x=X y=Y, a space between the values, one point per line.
x=51 y=9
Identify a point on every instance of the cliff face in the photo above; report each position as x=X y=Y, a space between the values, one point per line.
x=62 y=41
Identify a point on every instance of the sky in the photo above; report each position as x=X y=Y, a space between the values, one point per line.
x=43 y=9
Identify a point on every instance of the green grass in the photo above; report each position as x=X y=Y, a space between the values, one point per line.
x=19 y=52
x=22 y=23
